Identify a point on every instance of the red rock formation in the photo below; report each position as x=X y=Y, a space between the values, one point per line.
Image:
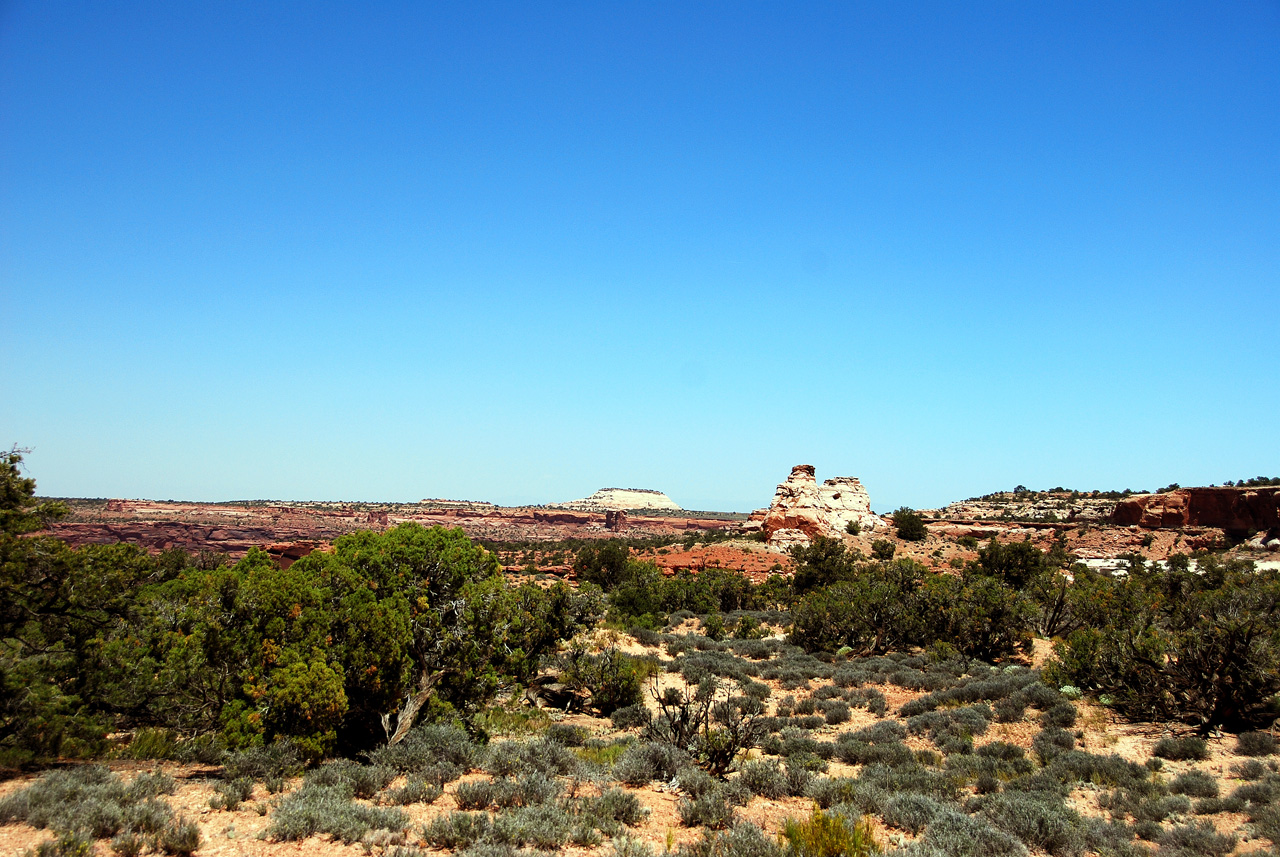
x=802 y=509
x=1236 y=510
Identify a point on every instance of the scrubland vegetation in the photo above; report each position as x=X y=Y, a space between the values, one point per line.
x=381 y=694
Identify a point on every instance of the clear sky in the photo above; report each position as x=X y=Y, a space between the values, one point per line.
x=521 y=251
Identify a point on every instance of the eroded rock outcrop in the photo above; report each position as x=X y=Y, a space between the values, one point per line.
x=1237 y=511
x=802 y=509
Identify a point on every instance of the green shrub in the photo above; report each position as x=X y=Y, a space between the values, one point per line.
x=151 y=744
x=710 y=810
x=315 y=809
x=765 y=779
x=413 y=791
x=1196 y=840
x=1061 y=715
x=910 y=525
x=476 y=794
x=431 y=746
x=618 y=805
x=1255 y=744
x=279 y=759
x=1186 y=748
x=457 y=829
x=826 y=834
x=910 y=812
x=1194 y=784
x=631 y=717
x=73 y=843
x=364 y=780
x=229 y=794
x=92 y=800
x=513 y=758
x=1052 y=742
x=568 y=734
x=629 y=846
x=128 y=844
x=645 y=761
x=180 y=837
x=953 y=834
x=1250 y=770
x=744 y=839
x=1039 y=819
x=545 y=827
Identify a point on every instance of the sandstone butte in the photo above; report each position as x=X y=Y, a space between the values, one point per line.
x=802 y=509
x=622 y=500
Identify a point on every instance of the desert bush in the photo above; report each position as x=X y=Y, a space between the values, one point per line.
x=89 y=799
x=475 y=794
x=764 y=778
x=645 y=761
x=1194 y=783
x=910 y=812
x=1052 y=742
x=364 y=780
x=511 y=758
x=629 y=846
x=1214 y=805
x=710 y=810
x=837 y=712
x=743 y=839
x=1062 y=715
x=954 y=834
x=435 y=746
x=1256 y=794
x=1250 y=770
x=568 y=734
x=1039 y=819
x=695 y=782
x=529 y=790
x=857 y=753
x=315 y=809
x=884 y=732
x=1186 y=748
x=631 y=716
x=278 y=759
x=413 y=791
x=1158 y=808
x=126 y=844
x=545 y=826
x=1255 y=744
x=229 y=794
x=1195 y=840
x=828 y=834
x=1010 y=709
x=180 y=838
x=457 y=829
x=618 y=805
x=73 y=843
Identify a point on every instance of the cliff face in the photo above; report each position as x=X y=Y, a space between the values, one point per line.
x=802 y=509
x=1235 y=510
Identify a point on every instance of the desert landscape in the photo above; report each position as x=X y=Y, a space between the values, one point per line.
x=715 y=683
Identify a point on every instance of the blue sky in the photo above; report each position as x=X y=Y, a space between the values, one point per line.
x=518 y=252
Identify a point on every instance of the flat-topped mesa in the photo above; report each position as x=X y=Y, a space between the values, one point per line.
x=802 y=509
x=621 y=500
